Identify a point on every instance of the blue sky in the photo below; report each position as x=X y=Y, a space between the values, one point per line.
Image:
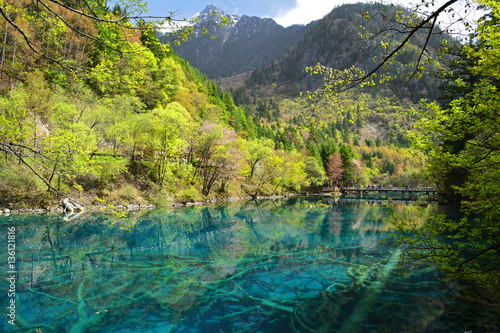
x=284 y=12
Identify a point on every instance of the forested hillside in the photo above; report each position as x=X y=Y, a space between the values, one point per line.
x=348 y=37
x=137 y=125
x=337 y=41
x=120 y=118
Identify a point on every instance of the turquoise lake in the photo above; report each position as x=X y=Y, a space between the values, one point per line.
x=302 y=264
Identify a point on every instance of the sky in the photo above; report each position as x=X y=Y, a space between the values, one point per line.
x=284 y=12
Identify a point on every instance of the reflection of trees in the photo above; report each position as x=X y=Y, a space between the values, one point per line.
x=104 y=284
x=227 y=267
x=332 y=224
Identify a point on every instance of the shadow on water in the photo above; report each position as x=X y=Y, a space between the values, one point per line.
x=297 y=265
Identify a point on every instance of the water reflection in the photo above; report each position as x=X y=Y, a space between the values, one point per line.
x=297 y=265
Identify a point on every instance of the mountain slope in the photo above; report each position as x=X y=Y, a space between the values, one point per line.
x=247 y=44
x=334 y=42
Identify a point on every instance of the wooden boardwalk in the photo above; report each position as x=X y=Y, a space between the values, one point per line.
x=383 y=190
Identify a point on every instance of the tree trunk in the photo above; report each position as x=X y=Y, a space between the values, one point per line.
x=13 y=60
x=3 y=45
x=52 y=175
x=20 y=72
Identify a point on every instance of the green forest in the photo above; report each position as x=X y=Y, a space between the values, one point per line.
x=121 y=118
x=93 y=107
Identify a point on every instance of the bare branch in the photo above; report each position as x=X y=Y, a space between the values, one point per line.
x=413 y=31
x=72 y=27
x=422 y=52
x=478 y=254
x=31 y=45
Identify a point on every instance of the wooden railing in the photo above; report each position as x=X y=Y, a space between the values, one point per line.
x=382 y=189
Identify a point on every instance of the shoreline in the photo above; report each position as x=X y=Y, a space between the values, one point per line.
x=136 y=207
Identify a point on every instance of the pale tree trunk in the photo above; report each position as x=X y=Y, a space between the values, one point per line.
x=20 y=73
x=83 y=50
x=69 y=50
x=13 y=60
x=3 y=45
x=46 y=41
x=58 y=43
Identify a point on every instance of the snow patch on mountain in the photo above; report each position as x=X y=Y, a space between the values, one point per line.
x=209 y=15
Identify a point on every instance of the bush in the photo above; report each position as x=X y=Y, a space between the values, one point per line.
x=110 y=168
x=22 y=186
x=189 y=195
x=160 y=199
x=126 y=194
x=19 y=180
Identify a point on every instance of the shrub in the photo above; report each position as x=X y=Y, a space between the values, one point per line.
x=129 y=193
x=19 y=181
x=160 y=199
x=189 y=195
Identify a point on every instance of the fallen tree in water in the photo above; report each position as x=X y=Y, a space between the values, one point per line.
x=345 y=308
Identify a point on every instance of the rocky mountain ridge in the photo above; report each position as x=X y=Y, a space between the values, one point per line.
x=335 y=42
x=246 y=44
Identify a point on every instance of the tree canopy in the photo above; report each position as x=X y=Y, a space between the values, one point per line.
x=461 y=141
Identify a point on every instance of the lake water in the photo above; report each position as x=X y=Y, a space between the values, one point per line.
x=297 y=265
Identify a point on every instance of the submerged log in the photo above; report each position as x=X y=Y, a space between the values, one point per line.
x=357 y=319
x=354 y=302
x=273 y=305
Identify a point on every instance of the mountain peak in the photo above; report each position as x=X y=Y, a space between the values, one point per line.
x=210 y=8
x=209 y=15
x=212 y=14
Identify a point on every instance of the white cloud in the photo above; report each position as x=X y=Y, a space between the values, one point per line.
x=306 y=11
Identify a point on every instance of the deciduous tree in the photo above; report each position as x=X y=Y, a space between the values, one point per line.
x=217 y=156
x=315 y=173
x=335 y=170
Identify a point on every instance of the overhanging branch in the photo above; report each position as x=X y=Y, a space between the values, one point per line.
x=433 y=17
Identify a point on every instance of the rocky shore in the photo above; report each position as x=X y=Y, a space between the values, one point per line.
x=11 y=209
